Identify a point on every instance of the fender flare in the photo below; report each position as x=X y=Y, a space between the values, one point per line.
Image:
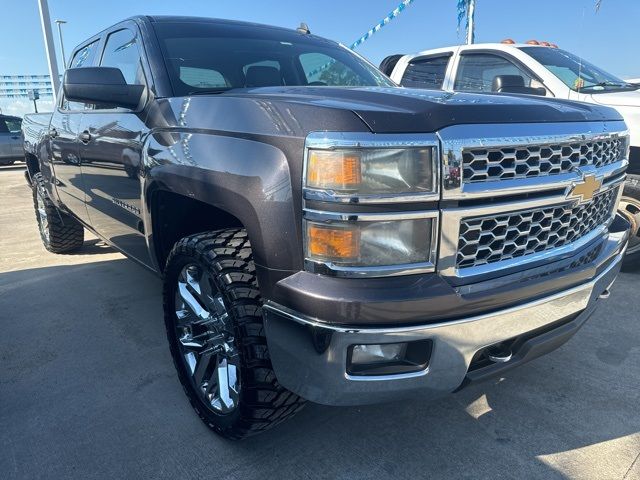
x=246 y=178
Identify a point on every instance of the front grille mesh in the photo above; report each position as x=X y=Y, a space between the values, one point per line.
x=490 y=164
x=495 y=238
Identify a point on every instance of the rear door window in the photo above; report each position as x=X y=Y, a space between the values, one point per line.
x=85 y=56
x=82 y=58
x=426 y=72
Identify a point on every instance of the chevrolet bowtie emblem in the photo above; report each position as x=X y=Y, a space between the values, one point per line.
x=585 y=189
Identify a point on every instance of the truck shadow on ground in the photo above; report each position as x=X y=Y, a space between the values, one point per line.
x=87 y=389
x=93 y=246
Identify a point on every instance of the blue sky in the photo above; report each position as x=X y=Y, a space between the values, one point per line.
x=609 y=38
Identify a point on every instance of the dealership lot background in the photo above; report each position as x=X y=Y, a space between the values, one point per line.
x=87 y=386
x=87 y=390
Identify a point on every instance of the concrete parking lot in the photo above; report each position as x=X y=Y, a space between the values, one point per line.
x=87 y=390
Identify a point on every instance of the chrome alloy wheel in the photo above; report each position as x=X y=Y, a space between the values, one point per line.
x=205 y=337
x=630 y=208
x=43 y=220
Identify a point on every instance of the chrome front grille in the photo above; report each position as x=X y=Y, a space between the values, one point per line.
x=494 y=238
x=526 y=161
x=510 y=191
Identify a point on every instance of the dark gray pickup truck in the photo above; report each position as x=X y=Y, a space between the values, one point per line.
x=323 y=234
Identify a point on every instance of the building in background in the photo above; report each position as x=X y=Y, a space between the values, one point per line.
x=18 y=86
x=14 y=93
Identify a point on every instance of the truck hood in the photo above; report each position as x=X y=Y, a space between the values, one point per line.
x=405 y=110
x=618 y=99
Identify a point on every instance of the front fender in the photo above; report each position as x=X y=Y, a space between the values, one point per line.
x=247 y=178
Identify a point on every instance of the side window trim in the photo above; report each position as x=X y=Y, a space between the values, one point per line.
x=451 y=70
x=430 y=56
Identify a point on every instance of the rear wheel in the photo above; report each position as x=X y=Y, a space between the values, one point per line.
x=214 y=325
x=60 y=232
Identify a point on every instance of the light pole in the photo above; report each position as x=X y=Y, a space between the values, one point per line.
x=64 y=58
x=471 y=10
x=45 y=21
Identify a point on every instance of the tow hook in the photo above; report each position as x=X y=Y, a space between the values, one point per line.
x=498 y=354
x=607 y=292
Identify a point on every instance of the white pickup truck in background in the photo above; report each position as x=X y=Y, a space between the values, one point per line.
x=537 y=68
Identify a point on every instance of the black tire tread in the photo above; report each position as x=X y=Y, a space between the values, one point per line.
x=66 y=234
x=264 y=402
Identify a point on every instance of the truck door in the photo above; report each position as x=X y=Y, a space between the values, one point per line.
x=111 y=150
x=65 y=152
x=65 y=159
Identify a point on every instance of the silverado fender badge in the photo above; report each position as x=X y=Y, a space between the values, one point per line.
x=585 y=189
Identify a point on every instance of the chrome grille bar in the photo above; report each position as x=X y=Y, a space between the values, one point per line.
x=459 y=140
x=453 y=218
x=495 y=238
x=527 y=161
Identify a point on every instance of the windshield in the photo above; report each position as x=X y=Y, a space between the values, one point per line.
x=215 y=57
x=576 y=73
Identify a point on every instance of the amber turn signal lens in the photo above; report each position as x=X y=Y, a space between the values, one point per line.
x=333 y=170
x=331 y=243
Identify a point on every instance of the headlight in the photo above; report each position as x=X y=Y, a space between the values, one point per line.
x=371 y=172
x=370 y=241
x=364 y=169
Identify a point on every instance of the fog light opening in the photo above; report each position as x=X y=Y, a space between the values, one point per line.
x=384 y=353
x=388 y=358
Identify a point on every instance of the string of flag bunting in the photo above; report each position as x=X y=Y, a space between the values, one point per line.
x=385 y=21
x=393 y=14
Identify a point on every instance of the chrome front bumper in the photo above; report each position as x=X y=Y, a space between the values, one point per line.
x=310 y=356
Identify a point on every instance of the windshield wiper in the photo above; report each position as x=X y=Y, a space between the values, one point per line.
x=607 y=84
x=209 y=91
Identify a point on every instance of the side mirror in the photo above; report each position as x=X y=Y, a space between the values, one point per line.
x=514 y=84
x=101 y=85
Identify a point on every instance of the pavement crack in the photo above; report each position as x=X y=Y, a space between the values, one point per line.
x=631 y=467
